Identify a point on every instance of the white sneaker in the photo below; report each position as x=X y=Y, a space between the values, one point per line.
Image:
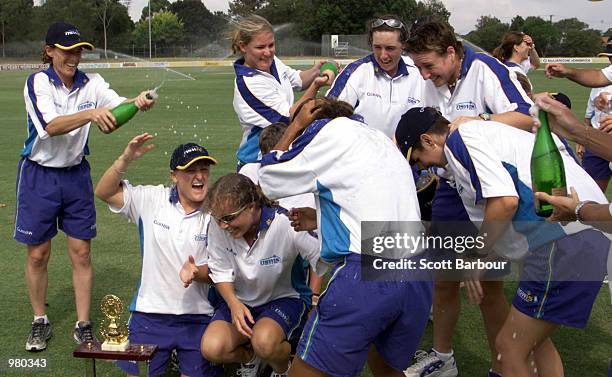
x=428 y=364
x=249 y=369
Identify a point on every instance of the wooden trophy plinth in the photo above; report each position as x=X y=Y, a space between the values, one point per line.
x=90 y=351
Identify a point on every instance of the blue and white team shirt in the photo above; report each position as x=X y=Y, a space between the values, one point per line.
x=592 y=112
x=608 y=73
x=260 y=99
x=251 y=170
x=356 y=173
x=488 y=159
x=46 y=98
x=272 y=268
x=168 y=236
x=485 y=85
x=379 y=98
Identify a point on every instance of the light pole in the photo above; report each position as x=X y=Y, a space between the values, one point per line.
x=149 y=29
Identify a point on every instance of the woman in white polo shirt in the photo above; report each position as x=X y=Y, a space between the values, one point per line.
x=263 y=90
x=383 y=85
x=257 y=264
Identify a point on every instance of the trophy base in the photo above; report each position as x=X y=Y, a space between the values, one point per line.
x=108 y=346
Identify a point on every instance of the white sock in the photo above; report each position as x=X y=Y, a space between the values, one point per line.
x=443 y=356
x=44 y=317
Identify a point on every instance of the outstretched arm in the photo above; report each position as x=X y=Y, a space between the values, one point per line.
x=109 y=187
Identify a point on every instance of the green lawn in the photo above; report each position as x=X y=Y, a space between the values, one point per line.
x=201 y=111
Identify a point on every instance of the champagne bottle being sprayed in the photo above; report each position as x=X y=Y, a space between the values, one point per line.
x=547 y=170
x=126 y=111
x=329 y=69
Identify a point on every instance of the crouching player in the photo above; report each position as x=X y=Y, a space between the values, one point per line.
x=257 y=265
x=491 y=165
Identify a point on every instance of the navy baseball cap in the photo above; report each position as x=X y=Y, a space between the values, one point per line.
x=414 y=123
x=186 y=154
x=66 y=37
x=608 y=50
x=561 y=97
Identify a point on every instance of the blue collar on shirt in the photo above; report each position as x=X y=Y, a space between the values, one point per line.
x=401 y=67
x=510 y=64
x=80 y=78
x=267 y=215
x=243 y=70
x=174 y=196
x=468 y=58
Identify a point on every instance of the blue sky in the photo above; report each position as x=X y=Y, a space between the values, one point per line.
x=597 y=14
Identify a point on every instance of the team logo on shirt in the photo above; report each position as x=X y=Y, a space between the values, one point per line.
x=274 y=259
x=526 y=296
x=465 y=106
x=200 y=237
x=87 y=105
x=165 y=226
x=412 y=100
x=372 y=94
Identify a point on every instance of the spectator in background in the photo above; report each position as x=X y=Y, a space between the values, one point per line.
x=517 y=51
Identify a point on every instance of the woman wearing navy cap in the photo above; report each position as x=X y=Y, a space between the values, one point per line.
x=54 y=188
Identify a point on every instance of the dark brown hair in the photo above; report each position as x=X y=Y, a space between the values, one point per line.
x=403 y=31
x=433 y=34
x=270 y=136
x=234 y=191
x=329 y=108
x=505 y=50
x=46 y=58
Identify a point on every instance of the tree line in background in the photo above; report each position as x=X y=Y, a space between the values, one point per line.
x=190 y=23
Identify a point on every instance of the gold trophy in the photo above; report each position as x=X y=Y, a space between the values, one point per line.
x=115 y=336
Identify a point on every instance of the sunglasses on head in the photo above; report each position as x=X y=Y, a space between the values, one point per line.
x=391 y=22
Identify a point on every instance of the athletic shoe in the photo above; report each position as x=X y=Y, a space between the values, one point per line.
x=83 y=332
x=249 y=369
x=428 y=364
x=493 y=374
x=40 y=333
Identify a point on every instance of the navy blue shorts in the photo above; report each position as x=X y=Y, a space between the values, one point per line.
x=560 y=281
x=52 y=198
x=169 y=332
x=353 y=313
x=597 y=167
x=289 y=313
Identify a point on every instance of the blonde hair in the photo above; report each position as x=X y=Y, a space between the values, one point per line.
x=243 y=31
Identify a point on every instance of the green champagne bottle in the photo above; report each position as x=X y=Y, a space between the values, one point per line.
x=329 y=69
x=126 y=111
x=547 y=170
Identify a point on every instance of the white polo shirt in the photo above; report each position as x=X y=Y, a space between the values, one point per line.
x=608 y=72
x=272 y=268
x=46 y=98
x=489 y=159
x=168 y=236
x=592 y=112
x=379 y=98
x=262 y=98
x=251 y=170
x=485 y=85
x=356 y=173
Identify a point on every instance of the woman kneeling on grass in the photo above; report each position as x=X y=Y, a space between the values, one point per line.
x=257 y=265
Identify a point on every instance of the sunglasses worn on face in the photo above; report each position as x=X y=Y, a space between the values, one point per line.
x=226 y=219
x=392 y=22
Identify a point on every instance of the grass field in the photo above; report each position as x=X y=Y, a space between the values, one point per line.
x=191 y=110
